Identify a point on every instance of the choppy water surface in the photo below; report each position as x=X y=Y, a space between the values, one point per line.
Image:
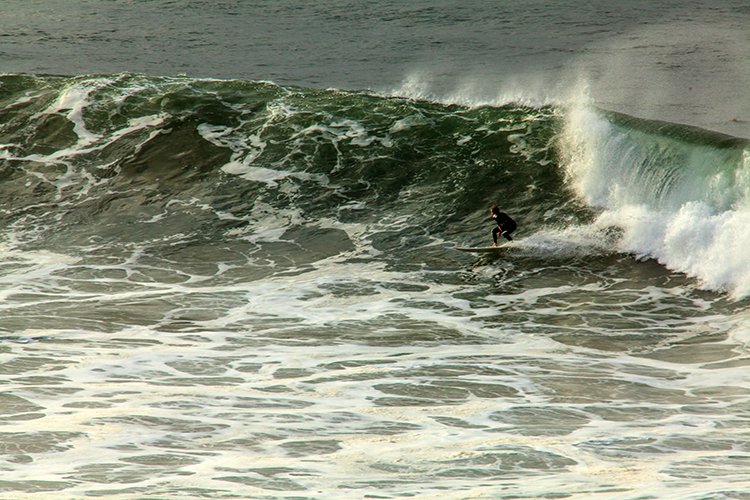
x=351 y=380
x=222 y=289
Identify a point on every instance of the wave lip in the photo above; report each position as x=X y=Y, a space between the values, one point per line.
x=679 y=193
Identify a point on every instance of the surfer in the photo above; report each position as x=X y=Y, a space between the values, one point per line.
x=505 y=225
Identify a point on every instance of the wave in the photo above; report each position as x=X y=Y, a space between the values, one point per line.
x=124 y=150
x=126 y=159
x=679 y=194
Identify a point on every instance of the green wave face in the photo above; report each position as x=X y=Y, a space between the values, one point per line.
x=106 y=156
x=126 y=159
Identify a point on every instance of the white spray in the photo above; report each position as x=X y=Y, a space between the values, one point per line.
x=681 y=202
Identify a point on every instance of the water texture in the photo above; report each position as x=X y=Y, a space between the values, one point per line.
x=243 y=282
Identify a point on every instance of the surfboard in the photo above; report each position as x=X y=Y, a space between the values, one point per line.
x=483 y=249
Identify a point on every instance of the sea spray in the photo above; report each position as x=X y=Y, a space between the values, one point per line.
x=679 y=194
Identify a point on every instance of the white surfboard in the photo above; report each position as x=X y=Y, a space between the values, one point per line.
x=497 y=249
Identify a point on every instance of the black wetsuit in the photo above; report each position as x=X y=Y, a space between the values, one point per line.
x=505 y=226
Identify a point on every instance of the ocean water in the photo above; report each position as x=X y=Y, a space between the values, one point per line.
x=228 y=261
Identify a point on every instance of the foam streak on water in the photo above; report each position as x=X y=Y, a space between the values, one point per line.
x=301 y=386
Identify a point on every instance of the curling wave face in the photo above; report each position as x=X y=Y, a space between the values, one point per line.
x=103 y=160
x=680 y=194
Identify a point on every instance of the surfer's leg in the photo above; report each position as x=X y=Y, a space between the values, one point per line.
x=509 y=229
x=495 y=231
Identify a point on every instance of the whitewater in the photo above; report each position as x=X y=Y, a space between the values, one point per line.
x=228 y=263
x=251 y=293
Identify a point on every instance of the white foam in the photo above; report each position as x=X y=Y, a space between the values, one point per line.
x=287 y=360
x=73 y=101
x=696 y=225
